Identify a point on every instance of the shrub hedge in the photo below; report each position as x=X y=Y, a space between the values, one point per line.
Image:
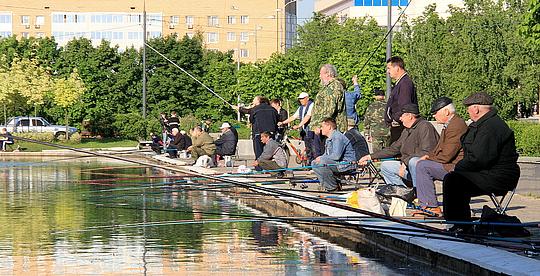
x=527 y=137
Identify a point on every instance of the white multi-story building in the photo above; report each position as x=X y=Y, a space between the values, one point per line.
x=378 y=9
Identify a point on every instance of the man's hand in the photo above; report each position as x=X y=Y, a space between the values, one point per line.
x=296 y=127
x=369 y=138
x=402 y=169
x=279 y=123
x=317 y=160
x=189 y=148
x=235 y=107
x=425 y=157
x=255 y=163
x=363 y=161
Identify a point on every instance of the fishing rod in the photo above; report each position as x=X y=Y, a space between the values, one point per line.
x=411 y=232
x=190 y=75
x=310 y=167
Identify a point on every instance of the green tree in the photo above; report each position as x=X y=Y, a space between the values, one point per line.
x=66 y=92
x=530 y=26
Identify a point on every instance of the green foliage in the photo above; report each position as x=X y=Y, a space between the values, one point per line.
x=530 y=27
x=527 y=137
x=39 y=136
x=188 y=122
x=476 y=49
x=133 y=126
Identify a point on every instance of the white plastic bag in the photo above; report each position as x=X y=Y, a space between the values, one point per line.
x=368 y=200
x=398 y=207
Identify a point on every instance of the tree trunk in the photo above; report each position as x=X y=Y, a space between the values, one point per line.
x=67 y=125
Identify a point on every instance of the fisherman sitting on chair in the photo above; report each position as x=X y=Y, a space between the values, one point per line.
x=489 y=163
x=417 y=140
x=338 y=149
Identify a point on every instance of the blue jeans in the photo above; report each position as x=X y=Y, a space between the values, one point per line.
x=390 y=172
x=326 y=176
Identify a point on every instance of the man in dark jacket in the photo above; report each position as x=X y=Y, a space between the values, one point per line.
x=226 y=143
x=489 y=163
x=178 y=143
x=262 y=117
x=418 y=138
x=403 y=92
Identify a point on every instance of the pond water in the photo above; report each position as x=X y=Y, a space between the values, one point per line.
x=86 y=216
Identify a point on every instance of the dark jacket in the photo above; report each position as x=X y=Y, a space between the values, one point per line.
x=490 y=156
x=448 y=150
x=358 y=143
x=402 y=93
x=416 y=141
x=262 y=117
x=226 y=144
x=179 y=142
x=173 y=122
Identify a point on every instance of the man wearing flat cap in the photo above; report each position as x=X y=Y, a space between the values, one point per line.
x=489 y=163
x=442 y=159
x=417 y=140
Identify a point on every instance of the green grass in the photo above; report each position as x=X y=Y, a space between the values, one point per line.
x=85 y=143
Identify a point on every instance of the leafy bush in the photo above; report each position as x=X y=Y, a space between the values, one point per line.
x=133 y=126
x=527 y=137
x=39 y=136
x=188 y=122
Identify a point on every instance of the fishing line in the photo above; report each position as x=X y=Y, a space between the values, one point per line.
x=187 y=73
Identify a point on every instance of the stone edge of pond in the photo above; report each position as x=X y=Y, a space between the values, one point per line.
x=447 y=256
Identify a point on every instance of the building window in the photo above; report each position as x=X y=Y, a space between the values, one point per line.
x=40 y=20
x=25 y=34
x=25 y=20
x=135 y=35
x=244 y=36
x=244 y=19
x=40 y=34
x=231 y=19
x=174 y=20
x=371 y=3
x=212 y=37
x=213 y=21
x=118 y=35
x=5 y=19
x=5 y=34
x=135 y=18
x=231 y=36
x=244 y=53
x=189 y=22
x=190 y=35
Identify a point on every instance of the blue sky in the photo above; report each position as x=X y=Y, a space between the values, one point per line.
x=304 y=10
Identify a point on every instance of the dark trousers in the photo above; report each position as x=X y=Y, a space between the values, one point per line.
x=457 y=194
x=257 y=145
x=395 y=132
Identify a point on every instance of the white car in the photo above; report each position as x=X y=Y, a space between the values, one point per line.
x=36 y=124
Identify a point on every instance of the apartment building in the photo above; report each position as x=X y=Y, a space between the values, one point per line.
x=378 y=9
x=253 y=29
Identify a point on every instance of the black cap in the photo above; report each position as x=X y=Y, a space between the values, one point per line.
x=440 y=103
x=410 y=108
x=481 y=98
x=378 y=92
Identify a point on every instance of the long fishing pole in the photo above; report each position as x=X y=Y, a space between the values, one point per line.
x=187 y=73
x=424 y=233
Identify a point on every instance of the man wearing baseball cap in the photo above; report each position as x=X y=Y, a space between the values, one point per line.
x=303 y=113
x=489 y=163
x=226 y=143
x=418 y=138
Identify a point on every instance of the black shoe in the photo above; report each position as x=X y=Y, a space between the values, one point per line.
x=461 y=229
x=280 y=175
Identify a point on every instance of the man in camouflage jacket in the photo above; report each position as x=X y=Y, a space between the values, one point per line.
x=375 y=128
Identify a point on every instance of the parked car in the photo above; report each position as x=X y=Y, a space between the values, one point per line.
x=36 y=124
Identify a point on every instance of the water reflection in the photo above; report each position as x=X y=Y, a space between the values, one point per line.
x=91 y=217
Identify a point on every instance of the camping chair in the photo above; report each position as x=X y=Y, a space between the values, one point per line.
x=369 y=169
x=500 y=204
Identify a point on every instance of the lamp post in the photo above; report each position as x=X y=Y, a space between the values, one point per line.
x=144 y=62
x=389 y=48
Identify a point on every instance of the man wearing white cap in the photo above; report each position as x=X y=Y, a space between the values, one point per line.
x=303 y=113
x=226 y=143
